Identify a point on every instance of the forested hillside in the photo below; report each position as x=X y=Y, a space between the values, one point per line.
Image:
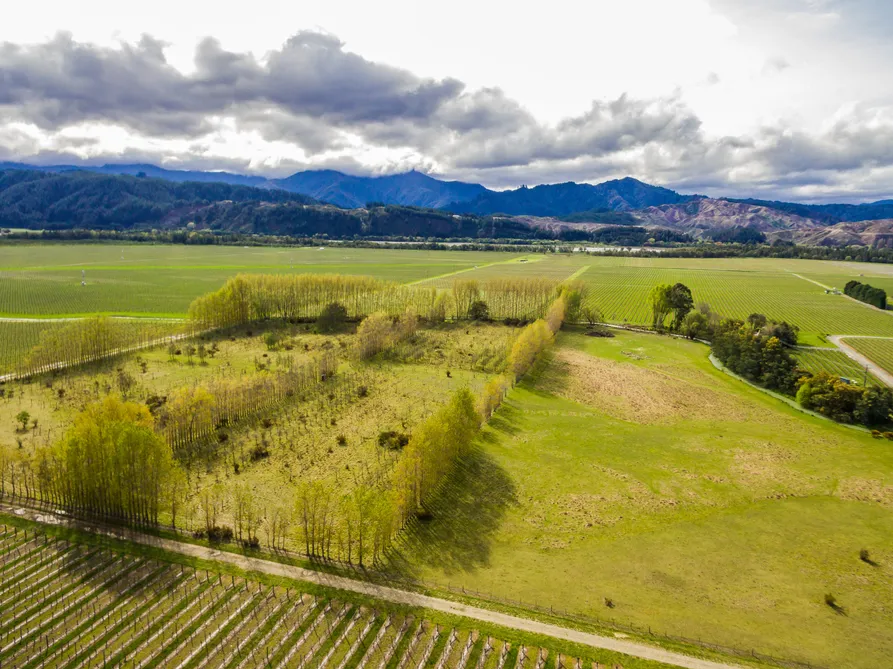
x=569 y=198
x=32 y=199
x=378 y=221
x=830 y=214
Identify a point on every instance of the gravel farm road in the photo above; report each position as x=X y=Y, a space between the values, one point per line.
x=387 y=593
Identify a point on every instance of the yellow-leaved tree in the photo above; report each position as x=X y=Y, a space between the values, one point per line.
x=110 y=463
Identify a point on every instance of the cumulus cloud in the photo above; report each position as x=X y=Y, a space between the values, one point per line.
x=337 y=108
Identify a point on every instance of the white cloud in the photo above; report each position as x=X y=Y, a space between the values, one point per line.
x=733 y=96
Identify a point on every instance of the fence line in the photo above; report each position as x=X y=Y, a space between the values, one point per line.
x=409 y=583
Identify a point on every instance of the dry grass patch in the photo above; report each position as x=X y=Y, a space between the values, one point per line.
x=632 y=393
x=866 y=490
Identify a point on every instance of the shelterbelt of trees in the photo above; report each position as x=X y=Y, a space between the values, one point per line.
x=876 y=297
x=124 y=461
x=247 y=298
x=759 y=350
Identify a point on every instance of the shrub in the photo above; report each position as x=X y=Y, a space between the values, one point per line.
x=393 y=441
x=479 y=311
x=259 y=452
x=272 y=339
x=362 y=391
x=342 y=440
x=332 y=317
x=23 y=417
x=155 y=402
x=831 y=600
x=220 y=534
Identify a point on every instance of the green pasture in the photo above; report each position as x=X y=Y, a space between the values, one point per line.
x=45 y=280
x=629 y=471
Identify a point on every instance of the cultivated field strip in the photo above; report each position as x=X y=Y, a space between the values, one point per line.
x=20 y=337
x=622 y=295
x=70 y=605
x=879 y=351
x=558 y=269
x=834 y=362
x=57 y=280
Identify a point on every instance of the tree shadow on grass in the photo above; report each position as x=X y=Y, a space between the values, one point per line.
x=115 y=573
x=549 y=376
x=504 y=421
x=465 y=514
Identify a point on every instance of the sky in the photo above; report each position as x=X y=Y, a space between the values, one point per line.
x=777 y=99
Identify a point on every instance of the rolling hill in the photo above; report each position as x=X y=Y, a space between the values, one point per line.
x=32 y=199
x=307 y=203
x=412 y=189
x=567 y=198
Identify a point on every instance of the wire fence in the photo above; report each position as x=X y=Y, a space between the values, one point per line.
x=405 y=582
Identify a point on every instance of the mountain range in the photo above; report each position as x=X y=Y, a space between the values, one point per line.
x=415 y=189
x=128 y=195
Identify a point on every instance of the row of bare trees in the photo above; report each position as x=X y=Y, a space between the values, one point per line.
x=87 y=339
x=193 y=414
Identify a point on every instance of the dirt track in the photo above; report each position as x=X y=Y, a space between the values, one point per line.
x=386 y=593
x=878 y=371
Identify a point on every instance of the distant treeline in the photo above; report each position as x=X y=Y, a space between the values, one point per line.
x=876 y=297
x=775 y=250
x=622 y=237
x=604 y=216
x=830 y=213
x=737 y=235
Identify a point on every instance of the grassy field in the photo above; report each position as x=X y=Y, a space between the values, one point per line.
x=70 y=604
x=630 y=470
x=301 y=438
x=735 y=287
x=680 y=498
x=879 y=351
x=43 y=280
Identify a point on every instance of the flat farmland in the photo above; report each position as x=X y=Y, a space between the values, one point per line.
x=556 y=267
x=70 y=604
x=879 y=351
x=18 y=339
x=835 y=362
x=628 y=478
x=734 y=287
x=622 y=295
x=46 y=280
